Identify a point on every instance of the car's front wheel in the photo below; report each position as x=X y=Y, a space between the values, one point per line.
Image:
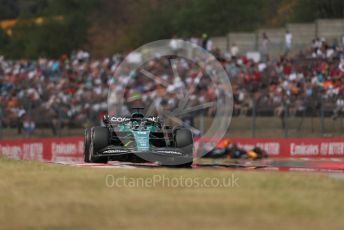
x=98 y=139
x=87 y=140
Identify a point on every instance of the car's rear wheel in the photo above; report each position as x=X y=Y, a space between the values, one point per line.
x=184 y=141
x=99 y=139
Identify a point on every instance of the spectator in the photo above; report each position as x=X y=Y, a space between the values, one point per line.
x=265 y=46
x=234 y=50
x=207 y=43
x=288 y=39
x=28 y=125
x=194 y=41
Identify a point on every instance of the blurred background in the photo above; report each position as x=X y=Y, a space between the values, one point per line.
x=285 y=60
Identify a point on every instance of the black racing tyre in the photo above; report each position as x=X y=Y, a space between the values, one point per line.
x=87 y=140
x=184 y=140
x=99 y=139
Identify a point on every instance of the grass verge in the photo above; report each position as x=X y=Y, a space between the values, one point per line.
x=37 y=195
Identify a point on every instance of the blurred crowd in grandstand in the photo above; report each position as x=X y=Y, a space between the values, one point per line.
x=73 y=90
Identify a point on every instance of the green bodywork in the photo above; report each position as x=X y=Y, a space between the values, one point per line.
x=140 y=134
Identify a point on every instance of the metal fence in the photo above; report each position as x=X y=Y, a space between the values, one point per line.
x=311 y=122
x=316 y=121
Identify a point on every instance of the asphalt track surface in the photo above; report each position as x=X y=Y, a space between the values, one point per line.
x=283 y=165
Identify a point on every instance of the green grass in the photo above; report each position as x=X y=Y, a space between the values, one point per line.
x=37 y=195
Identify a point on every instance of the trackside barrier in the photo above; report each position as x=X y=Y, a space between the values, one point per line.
x=71 y=148
x=44 y=149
